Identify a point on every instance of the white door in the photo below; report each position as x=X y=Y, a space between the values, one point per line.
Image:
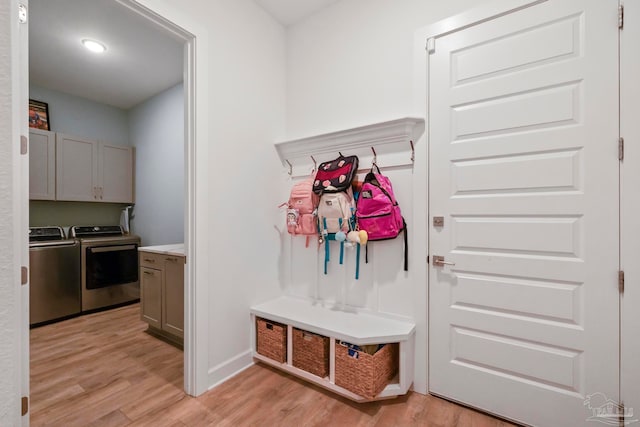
x=524 y=169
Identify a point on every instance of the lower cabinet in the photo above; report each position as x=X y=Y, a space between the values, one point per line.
x=162 y=293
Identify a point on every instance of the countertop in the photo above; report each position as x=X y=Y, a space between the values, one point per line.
x=175 y=249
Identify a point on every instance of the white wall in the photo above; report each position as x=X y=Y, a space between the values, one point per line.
x=353 y=64
x=246 y=114
x=156 y=130
x=81 y=117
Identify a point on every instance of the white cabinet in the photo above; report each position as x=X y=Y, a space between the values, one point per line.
x=90 y=171
x=42 y=165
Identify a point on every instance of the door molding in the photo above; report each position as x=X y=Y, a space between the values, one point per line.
x=630 y=208
x=172 y=19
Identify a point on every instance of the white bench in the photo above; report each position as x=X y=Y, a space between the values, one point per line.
x=353 y=326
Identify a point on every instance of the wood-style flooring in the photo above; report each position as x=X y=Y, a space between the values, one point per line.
x=104 y=370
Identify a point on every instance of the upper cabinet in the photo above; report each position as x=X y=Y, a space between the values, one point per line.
x=92 y=171
x=76 y=169
x=115 y=173
x=42 y=165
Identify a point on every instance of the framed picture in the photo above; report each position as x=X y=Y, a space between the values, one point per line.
x=39 y=115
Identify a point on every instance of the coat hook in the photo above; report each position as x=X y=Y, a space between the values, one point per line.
x=375 y=157
x=315 y=165
x=413 y=152
x=290 y=167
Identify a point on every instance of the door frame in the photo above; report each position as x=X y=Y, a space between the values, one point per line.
x=629 y=207
x=425 y=38
x=194 y=35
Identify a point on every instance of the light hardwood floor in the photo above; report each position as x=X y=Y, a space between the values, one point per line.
x=104 y=370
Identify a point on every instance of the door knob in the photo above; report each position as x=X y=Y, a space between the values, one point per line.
x=438 y=261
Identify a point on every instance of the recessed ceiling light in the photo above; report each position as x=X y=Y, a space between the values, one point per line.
x=94 y=46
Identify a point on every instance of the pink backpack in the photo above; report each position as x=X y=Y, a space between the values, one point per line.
x=378 y=212
x=302 y=209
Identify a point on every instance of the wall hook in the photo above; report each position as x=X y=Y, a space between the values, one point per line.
x=290 y=167
x=340 y=154
x=413 y=152
x=375 y=157
x=315 y=165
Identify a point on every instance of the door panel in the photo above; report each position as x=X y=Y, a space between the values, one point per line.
x=524 y=169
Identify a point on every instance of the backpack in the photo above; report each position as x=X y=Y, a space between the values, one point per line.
x=336 y=175
x=336 y=217
x=301 y=209
x=378 y=211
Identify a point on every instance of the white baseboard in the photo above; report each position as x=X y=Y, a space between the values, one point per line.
x=225 y=370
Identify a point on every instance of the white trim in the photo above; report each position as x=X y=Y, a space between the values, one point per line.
x=174 y=19
x=391 y=136
x=20 y=100
x=230 y=368
x=473 y=17
x=629 y=205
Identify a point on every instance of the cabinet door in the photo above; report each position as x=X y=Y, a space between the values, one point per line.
x=42 y=165
x=173 y=296
x=115 y=174
x=151 y=296
x=76 y=168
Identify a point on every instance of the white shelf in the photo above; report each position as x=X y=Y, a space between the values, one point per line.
x=351 y=326
x=389 y=137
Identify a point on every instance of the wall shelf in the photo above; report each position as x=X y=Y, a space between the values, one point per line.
x=355 y=327
x=394 y=136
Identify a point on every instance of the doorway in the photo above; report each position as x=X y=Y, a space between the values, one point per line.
x=151 y=13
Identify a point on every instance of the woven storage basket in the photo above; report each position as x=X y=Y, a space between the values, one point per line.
x=272 y=339
x=311 y=352
x=367 y=375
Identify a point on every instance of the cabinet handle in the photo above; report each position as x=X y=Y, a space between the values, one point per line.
x=150 y=273
x=149 y=260
x=172 y=259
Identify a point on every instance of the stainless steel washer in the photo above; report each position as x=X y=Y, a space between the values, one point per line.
x=54 y=275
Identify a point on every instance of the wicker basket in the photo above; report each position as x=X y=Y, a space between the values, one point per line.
x=271 y=339
x=364 y=374
x=311 y=352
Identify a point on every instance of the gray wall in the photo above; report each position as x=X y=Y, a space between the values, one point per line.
x=156 y=129
x=82 y=117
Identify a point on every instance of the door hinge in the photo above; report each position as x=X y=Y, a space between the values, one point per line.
x=25 y=405
x=24 y=145
x=621 y=281
x=621 y=148
x=431 y=45
x=620 y=16
x=24 y=275
x=22 y=13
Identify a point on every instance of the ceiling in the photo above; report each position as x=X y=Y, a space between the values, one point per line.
x=141 y=60
x=289 y=12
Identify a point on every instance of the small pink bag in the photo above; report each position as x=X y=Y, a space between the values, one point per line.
x=302 y=209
